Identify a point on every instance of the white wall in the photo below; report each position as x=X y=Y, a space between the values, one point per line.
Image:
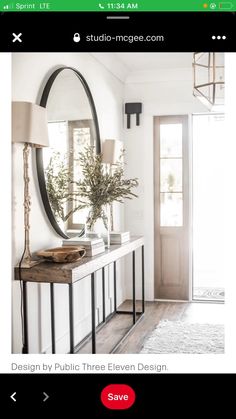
x=30 y=72
x=162 y=92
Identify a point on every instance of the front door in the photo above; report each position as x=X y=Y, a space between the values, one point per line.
x=172 y=208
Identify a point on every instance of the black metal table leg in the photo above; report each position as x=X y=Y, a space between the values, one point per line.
x=115 y=298
x=134 y=296
x=52 y=318
x=71 y=318
x=103 y=296
x=93 y=312
x=143 y=282
x=25 y=319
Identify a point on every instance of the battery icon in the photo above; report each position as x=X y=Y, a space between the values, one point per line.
x=226 y=5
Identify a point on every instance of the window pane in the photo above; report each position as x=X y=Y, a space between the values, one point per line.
x=171 y=140
x=171 y=209
x=57 y=132
x=171 y=175
x=81 y=140
x=81 y=137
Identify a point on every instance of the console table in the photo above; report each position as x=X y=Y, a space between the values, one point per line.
x=70 y=273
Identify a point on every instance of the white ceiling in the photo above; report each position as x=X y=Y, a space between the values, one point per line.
x=154 y=61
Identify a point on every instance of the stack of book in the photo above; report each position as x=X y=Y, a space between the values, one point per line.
x=92 y=246
x=119 y=237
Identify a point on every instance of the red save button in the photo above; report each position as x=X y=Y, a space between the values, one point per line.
x=118 y=396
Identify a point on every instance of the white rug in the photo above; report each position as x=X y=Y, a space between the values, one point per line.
x=185 y=338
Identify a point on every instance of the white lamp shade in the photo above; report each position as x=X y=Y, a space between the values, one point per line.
x=111 y=151
x=29 y=124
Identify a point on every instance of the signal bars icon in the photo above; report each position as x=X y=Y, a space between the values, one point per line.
x=7 y=7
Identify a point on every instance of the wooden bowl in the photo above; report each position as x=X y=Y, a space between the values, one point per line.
x=65 y=254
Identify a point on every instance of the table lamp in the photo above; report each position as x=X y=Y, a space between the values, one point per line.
x=111 y=151
x=29 y=126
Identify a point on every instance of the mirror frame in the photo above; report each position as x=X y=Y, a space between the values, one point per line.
x=39 y=151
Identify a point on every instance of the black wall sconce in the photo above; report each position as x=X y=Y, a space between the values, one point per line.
x=133 y=108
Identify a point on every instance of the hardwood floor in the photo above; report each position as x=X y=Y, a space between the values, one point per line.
x=154 y=313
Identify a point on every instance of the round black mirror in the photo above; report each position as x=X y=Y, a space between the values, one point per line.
x=72 y=126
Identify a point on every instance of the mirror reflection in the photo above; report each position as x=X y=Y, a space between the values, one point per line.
x=71 y=128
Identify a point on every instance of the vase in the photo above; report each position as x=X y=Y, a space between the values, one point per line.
x=91 y=232
x=100 y=226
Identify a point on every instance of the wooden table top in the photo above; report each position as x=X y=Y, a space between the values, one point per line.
x=67 y=273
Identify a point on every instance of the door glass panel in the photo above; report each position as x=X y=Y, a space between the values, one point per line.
x=171 y=209
x=171 y=140
x=171 y=175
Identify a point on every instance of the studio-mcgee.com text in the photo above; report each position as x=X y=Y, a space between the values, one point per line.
x=85 y=367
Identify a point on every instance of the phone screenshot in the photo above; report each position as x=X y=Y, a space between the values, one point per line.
x=117 y=136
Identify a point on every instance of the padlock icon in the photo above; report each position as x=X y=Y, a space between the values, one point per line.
x=76 y=37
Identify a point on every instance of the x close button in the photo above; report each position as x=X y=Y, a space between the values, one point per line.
x=118 y=396
x=16 y=37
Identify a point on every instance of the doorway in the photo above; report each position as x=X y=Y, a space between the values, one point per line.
x=189 y=207
x=208 y=207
